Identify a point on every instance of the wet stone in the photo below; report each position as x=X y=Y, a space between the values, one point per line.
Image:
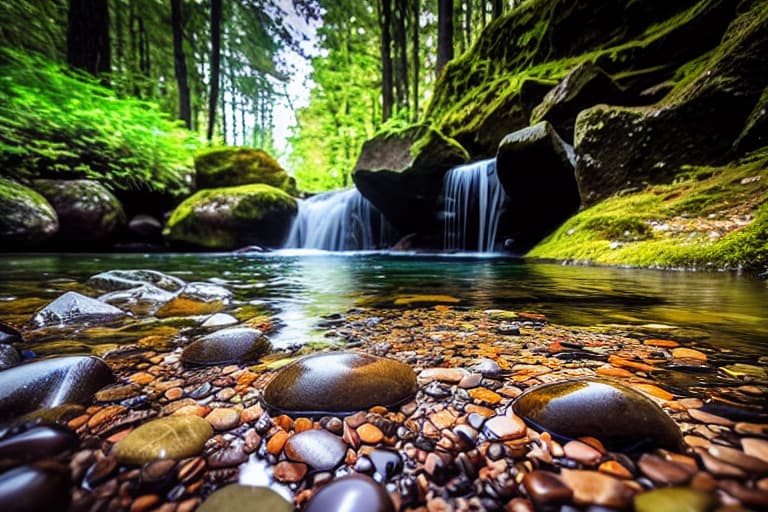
x=546 y=488
x=582 y=453
x=243 y=498
x=142 y=300
x=219 y=320
x=451 y=375
x=173 y=437
x=223 y=418
x=126 y=279
x=37 y=442
x=613 y=413
x=50 y=383
x=504 y=428
x=319 y=449
x=664 y=472
x=290 y=472
x=9 y=356
x=233 y=345
x=35 y=487
x=673 y=499
x=196 y=299
x=594 y=488
x=74 y=308
x=353 y=492
x=755 y=447
x=341 y=382
x=386 y=463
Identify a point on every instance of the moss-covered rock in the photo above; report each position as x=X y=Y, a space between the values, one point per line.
x=625 y=148
x=486 y=93
x=232 y=217
x=401 y=173
x=536 y=169
x=26 y=218
x=233 y=166
x=89 y=215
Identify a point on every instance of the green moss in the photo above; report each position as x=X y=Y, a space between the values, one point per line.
x=232 y=166
x=674 y=225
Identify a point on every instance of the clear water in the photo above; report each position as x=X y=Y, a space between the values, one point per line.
x=301 y=286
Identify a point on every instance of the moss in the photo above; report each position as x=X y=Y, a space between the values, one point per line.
x=232 y=166
x=710 y=217
x=26 y=217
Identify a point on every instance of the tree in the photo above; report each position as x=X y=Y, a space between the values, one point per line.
x=180 y=64
x=401 y=54
x=215 y=65
x=444 y=33
x=88 y=36
x=386 y=60
x=498 y=8
x=415 y=57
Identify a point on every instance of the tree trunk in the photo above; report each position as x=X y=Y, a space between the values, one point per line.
x=386 y=60
x=88 y=36
x=468 y=23
x=498 y=8
x=215 y=65
x=444 y=33
x=401 y=54
x=180 y=64
x=415 y=57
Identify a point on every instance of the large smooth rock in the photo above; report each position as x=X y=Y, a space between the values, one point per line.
x=401 y=174
x=172 y=437
x=51 y=382
x=234 y=345
x=584 y=86
x=536 y=168
x=113 y=280
x=26 y=217
x=37 y=442
x=350 y=494
x=142 y=300
x=234 y=166
x=340 y=382
x=617 y=415
x=696 y=124
x=232 y=217
x=35 y=487
x=245 y=498
x=89 y=215
x=75 y=308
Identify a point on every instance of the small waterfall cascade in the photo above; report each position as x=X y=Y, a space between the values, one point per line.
x=340 y=220
x=473 y=199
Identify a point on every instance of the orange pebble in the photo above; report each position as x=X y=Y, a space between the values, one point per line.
x=302 y=424
x=277 y=442
x=370 y=433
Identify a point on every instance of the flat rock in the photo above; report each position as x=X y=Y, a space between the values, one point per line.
x=318 y=449
x=233 y=345
x=51 y=382
x=172 y=437
x=617 y=415
x=340 y=382
x=196 y=298
x=245 y=498
x=353 y=492
x=73 y=308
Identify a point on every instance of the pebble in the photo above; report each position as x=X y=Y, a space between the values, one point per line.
x=172 y=437
x=582 y=453
x=504 y=427
x=546 y=489
x=237 y=498
x=319 y=449
x=232 y=345
x=755 y=447
x=664 y=472
x=290 y=472
x=223 y=418
x=370 y=434
x=615 y=468
x=73 y=308
x=673 y=499
x=594 y=488
x=738 y=458
x=485 y=395
x=277 y=442
x=710 y=419
x=471 y=380
x=351 y=493
x=450 y=375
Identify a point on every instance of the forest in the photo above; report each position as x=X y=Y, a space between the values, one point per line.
x=113 y=75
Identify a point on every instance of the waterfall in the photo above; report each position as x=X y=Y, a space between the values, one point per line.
x=473 y=199
x=341 y=220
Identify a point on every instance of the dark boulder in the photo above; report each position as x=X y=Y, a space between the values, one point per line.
x=698 y=123
x=226 y=346
x=89 y=215
x=536 y=169
x=401 y=174
x=51 y=382
x=584 y=86
x=26 y=217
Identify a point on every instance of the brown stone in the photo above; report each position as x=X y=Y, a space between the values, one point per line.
x=302 y=424
x=450 y=375
x=370 y=433
x=614 y=468
x=594 y=488
x=710 y=419
x=546 y=489
x=663 y=472
x=755 y=447
x=290 y=472
x=277 y=442
x=505 y=427
x=223 y=418
x=485 y=395
x=582 y=452
x=738 y=458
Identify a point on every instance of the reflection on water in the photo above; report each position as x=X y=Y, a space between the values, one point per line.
x=302 y=286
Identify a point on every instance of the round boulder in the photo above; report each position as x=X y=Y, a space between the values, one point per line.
x=233 y=166
x=234 y=345
x=26 y=217
x=340 y=383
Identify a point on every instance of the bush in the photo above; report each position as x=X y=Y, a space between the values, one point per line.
x=56 y=123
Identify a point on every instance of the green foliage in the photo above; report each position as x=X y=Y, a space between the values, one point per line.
x=55 y=123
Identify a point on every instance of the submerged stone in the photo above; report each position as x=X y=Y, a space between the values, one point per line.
x=35 y=487
x=617 y=415
x=37 y=442
x=51 y=382
x=196 y=299
x=9 y=356
x=353 y=492
x=234 y=345
x=142 y=300
x=73 y=307
x=245 y=498
x=341 y=382
x=172 y=437
x=317 y=448
x=125 y=279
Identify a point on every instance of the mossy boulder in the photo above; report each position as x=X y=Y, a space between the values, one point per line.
x=26 y=217
x=490 y=90
x=231 y=217
x=622 y=148
x=89 y=215
x=536 y=169
x=583 y=87
x=401 y=173
x=233 y=166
